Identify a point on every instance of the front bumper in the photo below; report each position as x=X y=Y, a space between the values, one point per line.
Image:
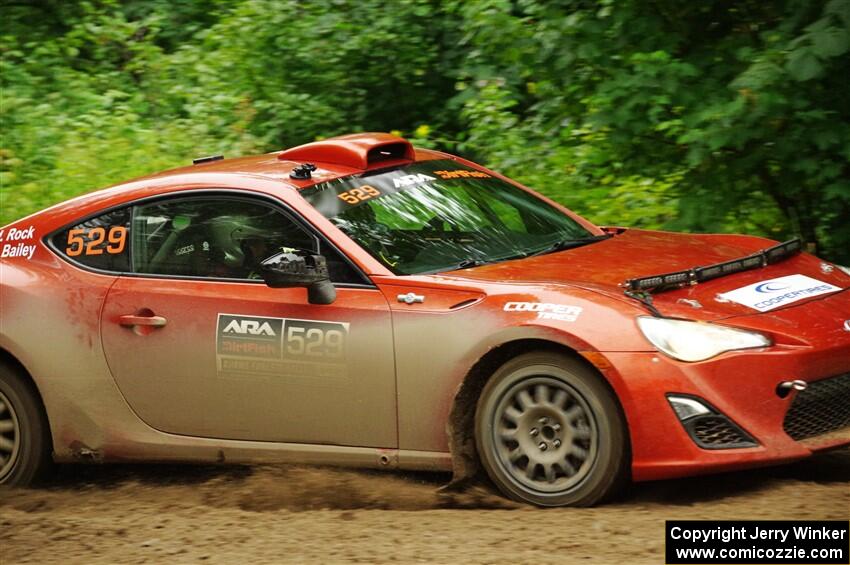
x=741 y=386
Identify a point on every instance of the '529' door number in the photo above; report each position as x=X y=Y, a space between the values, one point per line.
x=313 y=340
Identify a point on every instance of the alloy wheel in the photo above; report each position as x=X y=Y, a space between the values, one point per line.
x=545 y=434
x=10 y=436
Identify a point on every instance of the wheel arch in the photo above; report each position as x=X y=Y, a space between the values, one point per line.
x=461 y=420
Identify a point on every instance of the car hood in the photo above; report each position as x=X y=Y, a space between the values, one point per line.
x=603 y=267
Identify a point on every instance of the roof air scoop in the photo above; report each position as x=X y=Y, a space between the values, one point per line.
x=361 y=151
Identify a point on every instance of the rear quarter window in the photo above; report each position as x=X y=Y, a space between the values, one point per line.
x=102 y=242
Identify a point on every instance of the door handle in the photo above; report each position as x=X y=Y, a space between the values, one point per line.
x=137 y=320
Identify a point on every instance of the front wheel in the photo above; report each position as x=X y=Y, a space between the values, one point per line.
x=550 y=432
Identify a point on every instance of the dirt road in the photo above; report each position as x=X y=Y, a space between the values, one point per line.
x=142 y=514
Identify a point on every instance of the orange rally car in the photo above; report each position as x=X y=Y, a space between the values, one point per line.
x=357 y=301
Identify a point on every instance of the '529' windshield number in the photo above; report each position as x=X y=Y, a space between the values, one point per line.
x=358 y=195
x=90 y=241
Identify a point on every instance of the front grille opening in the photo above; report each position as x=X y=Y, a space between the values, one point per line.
x=708 y=427
x=716 y=431
x=822 y=408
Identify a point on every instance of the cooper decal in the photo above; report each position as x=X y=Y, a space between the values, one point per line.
x=258 y=345
x=546 y=311
x=15 y=243
x=773 y=293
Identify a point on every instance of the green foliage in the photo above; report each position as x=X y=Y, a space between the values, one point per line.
x=735 y=114
x=703 y=116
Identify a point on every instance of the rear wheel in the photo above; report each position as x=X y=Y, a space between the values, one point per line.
x=24 y=436
x=549 y=432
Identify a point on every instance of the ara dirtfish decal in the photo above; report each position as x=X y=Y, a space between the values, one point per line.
x=259 y=345
x=16 y=243
x=546 y=311
x=773 y=293
x=410 y=180
x=461 y=174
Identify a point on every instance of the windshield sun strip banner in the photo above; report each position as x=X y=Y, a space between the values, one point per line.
x=335 y=196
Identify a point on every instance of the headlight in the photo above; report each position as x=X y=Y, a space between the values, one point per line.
x=846 y=270
x=696 y=341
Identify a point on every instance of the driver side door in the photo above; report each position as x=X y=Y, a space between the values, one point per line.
x=199 y=346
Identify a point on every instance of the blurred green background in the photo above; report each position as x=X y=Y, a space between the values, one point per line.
x=709 y=116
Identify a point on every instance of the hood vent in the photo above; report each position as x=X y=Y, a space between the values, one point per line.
x=389 y=152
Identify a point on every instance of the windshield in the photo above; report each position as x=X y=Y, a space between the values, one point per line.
x=440 y=215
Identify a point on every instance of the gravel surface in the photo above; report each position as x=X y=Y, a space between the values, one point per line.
x=173 y=514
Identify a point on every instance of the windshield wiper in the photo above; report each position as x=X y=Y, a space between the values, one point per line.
x=465 y=264
x=644 y=298
x=565 y=244
x=469 y=263
x=557 y=246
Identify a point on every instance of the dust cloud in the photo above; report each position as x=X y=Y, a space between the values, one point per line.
x=219 y=514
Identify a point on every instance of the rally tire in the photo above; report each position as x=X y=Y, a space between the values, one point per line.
x=25 y=446
x=549 y=431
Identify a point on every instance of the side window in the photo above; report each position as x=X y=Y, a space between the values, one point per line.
x=218 y=238
x=100 y=243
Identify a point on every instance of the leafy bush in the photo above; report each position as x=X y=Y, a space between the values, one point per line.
x=704 y=116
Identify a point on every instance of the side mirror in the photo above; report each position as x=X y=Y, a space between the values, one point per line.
x=298 y=268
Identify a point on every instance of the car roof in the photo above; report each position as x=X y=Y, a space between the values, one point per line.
x=333 y=157
x=270 y=173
